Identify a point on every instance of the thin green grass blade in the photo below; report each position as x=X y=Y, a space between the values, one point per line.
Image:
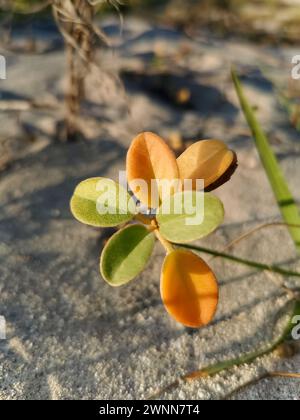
x=285 y=200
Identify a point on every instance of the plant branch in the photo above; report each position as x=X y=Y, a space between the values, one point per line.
x=166 y=244
x=249 y=263
x=248 y=358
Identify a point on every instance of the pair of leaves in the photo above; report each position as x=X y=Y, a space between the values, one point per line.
x=189 y=288
x=127 y=252
x=150 y=159
x=101 y=202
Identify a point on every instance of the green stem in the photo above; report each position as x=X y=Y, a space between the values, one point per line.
x=238 y=361
x=249 y=357
x=254 y=264
x=166 y=244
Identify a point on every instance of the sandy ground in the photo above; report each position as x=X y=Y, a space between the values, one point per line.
x=69 y=335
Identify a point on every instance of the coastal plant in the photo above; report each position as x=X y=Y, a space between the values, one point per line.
x=164 y=201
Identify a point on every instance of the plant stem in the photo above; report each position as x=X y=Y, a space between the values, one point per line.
x=74 y=20
x=143 y=219
x=154 y=227
x=166 y=244
x=254 y=264
x=238 y=361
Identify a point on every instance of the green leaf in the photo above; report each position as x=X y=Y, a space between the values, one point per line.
x=285 y=200
x=102 y=202
x=126 y=254
x=190 y=216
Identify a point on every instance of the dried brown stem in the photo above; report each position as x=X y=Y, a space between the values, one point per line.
x=75 y=20
x=255 y=230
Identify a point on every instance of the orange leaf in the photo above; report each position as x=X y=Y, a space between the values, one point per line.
x=189 y=289
x=206 y=159
x=150 y=158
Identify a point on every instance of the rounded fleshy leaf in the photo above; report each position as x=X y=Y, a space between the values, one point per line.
x=101 y=202
x=126 y=254
x=189 y=289
x=189 y=215
x=206 y=159
x=149 y=158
